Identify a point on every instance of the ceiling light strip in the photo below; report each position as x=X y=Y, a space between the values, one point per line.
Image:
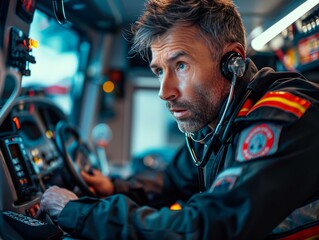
x=261 y=40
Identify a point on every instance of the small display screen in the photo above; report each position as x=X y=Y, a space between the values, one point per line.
x=18 y=165
x=13 y=150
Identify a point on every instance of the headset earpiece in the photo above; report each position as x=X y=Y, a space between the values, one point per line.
x=227 y=65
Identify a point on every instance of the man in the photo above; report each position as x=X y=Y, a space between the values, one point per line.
x=252 y=135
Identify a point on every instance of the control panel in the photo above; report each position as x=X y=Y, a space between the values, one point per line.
x=18 y=226
x=20 y=168
x=20 y=47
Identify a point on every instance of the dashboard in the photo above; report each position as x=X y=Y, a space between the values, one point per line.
x=29 y=157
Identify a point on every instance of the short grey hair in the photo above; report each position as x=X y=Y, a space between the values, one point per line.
x=218 y=21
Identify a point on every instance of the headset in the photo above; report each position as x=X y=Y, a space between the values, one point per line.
x=232 y=67
x=231 y=64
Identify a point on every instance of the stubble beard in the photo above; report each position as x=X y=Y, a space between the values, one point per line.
x=202 y=113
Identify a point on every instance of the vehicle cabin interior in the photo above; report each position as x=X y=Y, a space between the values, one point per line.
x=72 y=98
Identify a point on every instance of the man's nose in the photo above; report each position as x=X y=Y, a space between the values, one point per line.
x=169 y=88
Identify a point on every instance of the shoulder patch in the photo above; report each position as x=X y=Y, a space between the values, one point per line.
x=285 y=101
x=226 y=180
x=259 y=140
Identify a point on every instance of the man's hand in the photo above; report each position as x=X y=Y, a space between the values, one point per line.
x=53 y=201
x=99 y=184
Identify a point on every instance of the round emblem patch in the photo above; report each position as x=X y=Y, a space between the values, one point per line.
x=258 y=142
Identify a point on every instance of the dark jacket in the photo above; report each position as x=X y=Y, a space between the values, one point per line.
x=264 y=165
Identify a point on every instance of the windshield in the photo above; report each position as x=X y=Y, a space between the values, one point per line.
x=57 y=60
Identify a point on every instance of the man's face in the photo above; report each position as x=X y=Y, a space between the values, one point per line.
x=191 y=82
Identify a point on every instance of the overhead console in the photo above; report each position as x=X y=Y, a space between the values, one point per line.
x=16 y=17
x=294 y=38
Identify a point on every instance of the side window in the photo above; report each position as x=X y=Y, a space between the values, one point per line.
x=155 y=135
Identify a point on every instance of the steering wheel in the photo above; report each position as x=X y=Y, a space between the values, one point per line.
x=76 y=154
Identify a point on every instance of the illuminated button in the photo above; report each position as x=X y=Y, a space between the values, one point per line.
x=37 y=160
x=18 y=167
x=16 y=122
x=15 y=161
x=20 y=174
x=108 y=86
x=33 y=43
x=49 y=134
x=31 y=212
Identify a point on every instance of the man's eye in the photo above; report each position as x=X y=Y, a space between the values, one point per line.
x=181 y=66
x=159 y=72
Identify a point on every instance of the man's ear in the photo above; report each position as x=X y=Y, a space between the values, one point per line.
x=235 y=47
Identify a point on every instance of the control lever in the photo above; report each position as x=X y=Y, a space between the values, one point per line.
x=101 y=136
